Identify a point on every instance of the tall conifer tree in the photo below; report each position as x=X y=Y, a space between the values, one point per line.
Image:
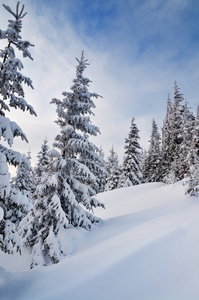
x=193 y=160
x=177 y=121
x=188 y=127
x=42 y=161
x=11 y=96
x=101 y=174
x=153 y=159
x=66 y=195
x=166 y=141
x=131 y=169
x=114 y=171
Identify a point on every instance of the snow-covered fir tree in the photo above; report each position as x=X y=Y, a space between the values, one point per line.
x=193 y=160
x=195 y=138
x=177 y=122
x=114 y=171
x=22 y=188
x=166 y=141
x=66 y=195
x=95 y=163
x=153 y=168
x=44 y=226
x=9 y=240
x=101 y=176
x=193 y=181
x=80 y=156
x=144 y=166
x=11 y=96
x=42 y=161
x=24 y=179
x=131 y=169
x=188 y=127
x=182 y=122
x=18 y=202
x=18 y=205
x=14 y=207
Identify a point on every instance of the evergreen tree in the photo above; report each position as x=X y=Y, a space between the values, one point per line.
x=43 y=161
x=188 y=127
x=22 y=187
x=45 y=224
x=18 y=202
x=193 y=160
x=131 y=169
x=114 y=171
x=95 y=163
x=153 y=167
x=193 y=182
x=101 y=176
x=8 y=237
x=11 y=96
x=177 y=121
x=166 y=141
x=144 y=166
x=195 y=138
x=24 y=180
x=80 y=155
x=18 y=205
x=176 y=138
x=66 y=193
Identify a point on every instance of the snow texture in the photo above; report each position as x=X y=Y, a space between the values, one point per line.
x=145 y=249
x=4 y=177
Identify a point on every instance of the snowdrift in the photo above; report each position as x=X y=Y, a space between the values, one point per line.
x=146 y=248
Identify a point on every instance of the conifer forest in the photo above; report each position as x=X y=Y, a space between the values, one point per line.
x=40 y=203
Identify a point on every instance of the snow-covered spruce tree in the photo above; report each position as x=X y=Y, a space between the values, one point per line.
x=42 y=161
x=80 y=156
x=18 y=202
x=101 y=176
x=114 y=171
x=185 y=146
x=24 y=179
x=18 y=205
x=112 y=160
x=131 y=169
x=177 y=122
x=66 y=193
x=153 y=168
x=11 y=96
x=193 y=160
x=43 y=228
x=193 y=181
x=166 y=141
x=144 y=166
x=8 y=237
x=95 y=164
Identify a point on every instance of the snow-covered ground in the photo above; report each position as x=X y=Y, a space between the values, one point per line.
x=146 y=248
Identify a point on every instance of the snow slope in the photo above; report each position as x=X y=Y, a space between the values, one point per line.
x=146 y=248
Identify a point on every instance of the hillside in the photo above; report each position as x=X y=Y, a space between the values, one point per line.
x=146 y=248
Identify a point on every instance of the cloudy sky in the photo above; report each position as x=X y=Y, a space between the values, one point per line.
x=136 y=50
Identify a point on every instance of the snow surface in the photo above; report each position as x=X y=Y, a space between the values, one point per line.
x=146 y=248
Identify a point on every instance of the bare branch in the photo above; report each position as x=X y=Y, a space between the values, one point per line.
x=9 y=10
x=17 y=8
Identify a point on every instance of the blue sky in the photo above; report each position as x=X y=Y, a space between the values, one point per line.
x=136 y=49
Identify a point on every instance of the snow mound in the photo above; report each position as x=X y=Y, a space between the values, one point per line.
x=146 y=248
